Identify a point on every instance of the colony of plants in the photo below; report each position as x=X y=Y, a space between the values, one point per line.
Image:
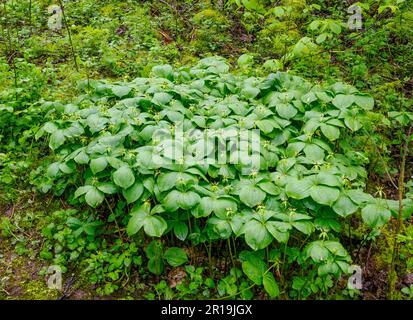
x=200 y=150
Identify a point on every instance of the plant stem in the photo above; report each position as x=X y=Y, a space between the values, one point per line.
x=69 y=34
x=395 y=254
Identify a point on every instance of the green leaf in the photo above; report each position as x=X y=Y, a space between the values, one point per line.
x=107 y=187
x=286 y=111
x=270 y=285
x=254 y=268
x=376 y=215
x=154 y=226
x=331 y=132
x=256 y=235
x=94 y=197
x=324 y=195
x=156 y=266
x=124 y=177
x=184 y=200
x=344 y=206
x=133 y=193
x=298 y=189
x=343 y=101
x=121 y=91
x=163 y=71
x=181 y=230
x=364 y=101
x=137 y=221
x=175 y=256
x=251 y=195
x=279 y=230
x=57 y=138
x=317 y=251
x=98 y=165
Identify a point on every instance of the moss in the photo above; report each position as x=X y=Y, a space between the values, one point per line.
x=38 y=290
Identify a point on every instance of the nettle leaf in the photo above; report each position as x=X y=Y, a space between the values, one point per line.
x=175 y=256
x=251 y=195
x=376 y=214
x=124 y=177
x=256 y=235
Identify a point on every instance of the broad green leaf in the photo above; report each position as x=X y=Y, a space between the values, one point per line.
x=98 y=165
x=175 y=256
x=107 y=187
x=298 y=189
x=256 y=235
x=124 y=177
x=343 y=101
x=154 y=226
x=376 y=215
x=331 y=132
x=317 y=251
x=324 y=195
x=94 y=197
x=270 y=285
x=181 y=230
x=251 y=195
x=134 y=192
x=344 y=206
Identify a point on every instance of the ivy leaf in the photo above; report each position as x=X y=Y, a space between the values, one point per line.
x=124 y=177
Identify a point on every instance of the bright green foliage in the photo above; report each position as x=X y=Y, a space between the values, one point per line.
x=304 y=184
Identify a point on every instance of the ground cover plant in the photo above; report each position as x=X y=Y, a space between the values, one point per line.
x=199 y=149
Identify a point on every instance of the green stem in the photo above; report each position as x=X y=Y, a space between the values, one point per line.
x=69 y=34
